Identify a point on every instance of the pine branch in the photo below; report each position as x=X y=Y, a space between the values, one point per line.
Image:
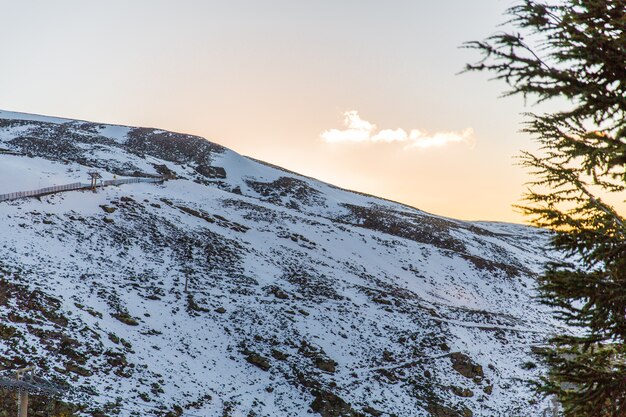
x=575 y=50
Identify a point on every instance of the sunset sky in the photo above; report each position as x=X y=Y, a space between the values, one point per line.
x=359 y=93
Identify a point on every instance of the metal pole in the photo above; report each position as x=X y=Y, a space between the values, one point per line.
x=22 y=405
x=22 y=401
x=23 y=381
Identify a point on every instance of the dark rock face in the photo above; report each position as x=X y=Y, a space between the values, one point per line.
x=57 y=142
x=288 y=191
x=464 y=365
x=174 y=147
x=164 y=171
x=326 y=365
x=61 y=148
x=61 y=142
x=328 y=404
x=437 y=410
x=462 y=392
x=422 y=229
x=258 y=361
x=211 y=172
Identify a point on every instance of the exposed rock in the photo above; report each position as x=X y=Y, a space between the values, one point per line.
x=467 y=412
x=278 y=293
x=326 y=364
x=388 y=356
x=165 y=171
x=278 y=355
x=108 y=209
x=464 y=365
x=328 y=404
x=258 y=361
x=462 y=392
x=126 y=318
x=7 y=332
x=438 y=410
x=211 y=171
x=74 y=368
x=372 y=411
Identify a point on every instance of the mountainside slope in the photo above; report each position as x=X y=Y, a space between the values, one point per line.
x=303 y=298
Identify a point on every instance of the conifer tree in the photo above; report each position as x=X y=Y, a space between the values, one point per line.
x=573 y=53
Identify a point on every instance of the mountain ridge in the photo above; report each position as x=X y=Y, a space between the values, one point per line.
x=304 y=298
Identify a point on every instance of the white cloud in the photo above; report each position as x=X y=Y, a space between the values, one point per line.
x=421 y=139
x=358 y=131
x=390 y=135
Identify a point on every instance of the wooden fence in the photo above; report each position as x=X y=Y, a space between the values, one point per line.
x=132 y=181
x=72 y=187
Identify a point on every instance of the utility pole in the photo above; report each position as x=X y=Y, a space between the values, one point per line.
x=22 y=405
x=22 y=401
x=25 y=382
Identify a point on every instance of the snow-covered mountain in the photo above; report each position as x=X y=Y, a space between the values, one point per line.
x=303 y=298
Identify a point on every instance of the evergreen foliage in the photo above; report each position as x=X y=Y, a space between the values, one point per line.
x=574 y=51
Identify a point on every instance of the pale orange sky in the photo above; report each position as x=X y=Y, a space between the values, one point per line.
x=268 y=78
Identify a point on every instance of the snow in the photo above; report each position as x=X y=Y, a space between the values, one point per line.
x=24 y=174
x=32 y=117
x=114 y=132
x=352 y=293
